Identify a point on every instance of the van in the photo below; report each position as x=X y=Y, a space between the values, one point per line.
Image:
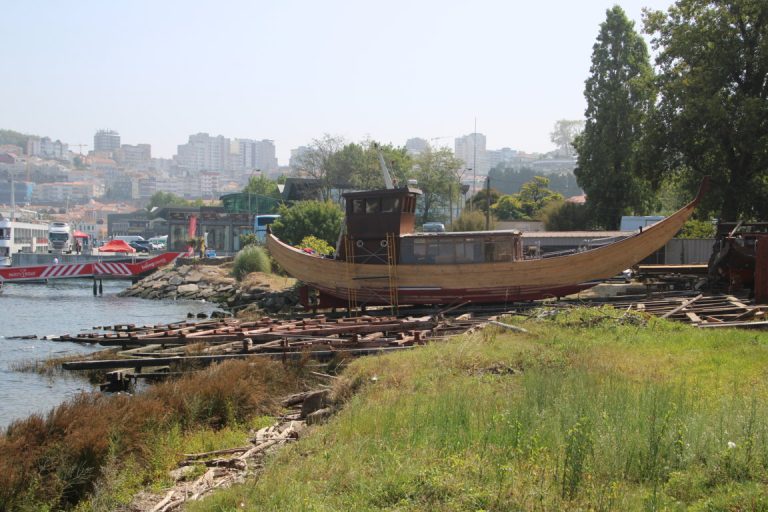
x=433 y=227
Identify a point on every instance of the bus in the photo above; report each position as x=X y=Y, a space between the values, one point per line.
x=260 y=223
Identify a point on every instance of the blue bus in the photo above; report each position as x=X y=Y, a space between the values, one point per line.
x=260 y=223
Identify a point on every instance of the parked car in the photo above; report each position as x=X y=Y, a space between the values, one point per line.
x=141 y=245
x=433 y=227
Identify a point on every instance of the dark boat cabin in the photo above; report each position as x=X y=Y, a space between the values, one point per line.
x=377 y=219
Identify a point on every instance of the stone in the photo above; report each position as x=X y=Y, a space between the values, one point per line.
x=319 y=416
x=176 y=280
x=315 y=401
x=193 y=277
x=190 y=289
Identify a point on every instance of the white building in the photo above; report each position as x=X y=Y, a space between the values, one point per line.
x=471 y=150
x=204 y=153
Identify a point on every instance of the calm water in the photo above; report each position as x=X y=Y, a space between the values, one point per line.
x=61 y=308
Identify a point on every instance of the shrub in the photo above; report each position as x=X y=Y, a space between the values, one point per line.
x=309 y=218
x=250 y=259
x=561 y=216
x=319 y=246
x=471 y=221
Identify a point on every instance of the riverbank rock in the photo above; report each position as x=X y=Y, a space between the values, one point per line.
x=258 y=292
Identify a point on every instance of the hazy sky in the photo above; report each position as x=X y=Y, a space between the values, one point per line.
x=157 y=71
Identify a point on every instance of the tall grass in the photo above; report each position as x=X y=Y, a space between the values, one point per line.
x=251 y=258
x=596 y=411
x=106 y=447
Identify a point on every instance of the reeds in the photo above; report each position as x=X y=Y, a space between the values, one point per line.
x=104 y=447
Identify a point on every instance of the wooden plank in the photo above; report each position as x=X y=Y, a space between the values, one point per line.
x=682 y=306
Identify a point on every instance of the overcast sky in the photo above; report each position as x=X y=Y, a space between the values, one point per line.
x=157 y=71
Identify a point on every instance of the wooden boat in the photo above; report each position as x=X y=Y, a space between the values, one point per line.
x=381 y=260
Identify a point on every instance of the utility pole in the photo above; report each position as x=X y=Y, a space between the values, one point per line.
x=474 y=160
x=488 y=203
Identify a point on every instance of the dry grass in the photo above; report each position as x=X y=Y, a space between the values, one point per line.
x=270 y=281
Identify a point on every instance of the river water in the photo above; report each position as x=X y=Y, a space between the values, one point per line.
x=67 y=307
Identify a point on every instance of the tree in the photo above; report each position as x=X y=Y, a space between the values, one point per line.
x=535 y=195
x=564 y=134
x=166 y=199
x=713 y=108
x=563 y=216
x=508 y=207
x=316 y=162
x=619 y=96
x=357 y=166
x=480 y=200
x=263 y=194
x=438 y=174
x=321 y=219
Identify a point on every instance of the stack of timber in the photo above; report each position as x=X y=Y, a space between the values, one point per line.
x=187 y=344
x=705 y=311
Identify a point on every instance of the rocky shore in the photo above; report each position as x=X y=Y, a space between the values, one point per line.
x=257 y=291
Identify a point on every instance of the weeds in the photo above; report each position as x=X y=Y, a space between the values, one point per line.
x=250 y=259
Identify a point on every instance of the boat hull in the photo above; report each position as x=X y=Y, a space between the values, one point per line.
x=497 y=282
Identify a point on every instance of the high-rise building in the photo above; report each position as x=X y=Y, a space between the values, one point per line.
x=264 y=155
x=134 y=157
x=471 y=150
x=204 y=153
x=106 y=141
x=416 y=146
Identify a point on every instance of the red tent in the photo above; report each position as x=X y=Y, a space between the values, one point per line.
x=116 y=246
x=79 y=234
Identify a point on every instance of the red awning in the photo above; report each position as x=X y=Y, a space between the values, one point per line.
x=79 y=234
x=116 y=246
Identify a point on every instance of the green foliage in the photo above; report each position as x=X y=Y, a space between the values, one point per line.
x=251 y=258
x=248 y=239
x=321 y=219
x=713 y=64
x=166 y=199
x=14 y=138
x=619 y=96
x=697 y=229
x=508 y=207
x=316 y=162
x=563 y=216
x=261 y=195
x=535 y=195
x=481 y=199
x=471 y=221
x=316 y=244
x=508 y=179
x=438 y=174
x=357 y=166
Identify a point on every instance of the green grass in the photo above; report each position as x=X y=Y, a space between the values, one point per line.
x=594 y=410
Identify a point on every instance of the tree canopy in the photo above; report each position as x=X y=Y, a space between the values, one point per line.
x=438 y=174
x=713 y=107
x=321 y=219
x=619 y=96
x=166 y=199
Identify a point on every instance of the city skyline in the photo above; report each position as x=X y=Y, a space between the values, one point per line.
x=157 y=73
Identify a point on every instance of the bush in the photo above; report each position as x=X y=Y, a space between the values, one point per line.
x=561 y=216
x=317 y=245
x=250 y=259
x=471 y=221
x=309 y=218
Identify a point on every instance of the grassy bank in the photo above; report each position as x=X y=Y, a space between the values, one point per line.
x=593 y=410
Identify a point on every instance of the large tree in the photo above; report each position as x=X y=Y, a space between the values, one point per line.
x=438 y=174
x=564 y=133
x=620 y=95
x=316 y=162
x=713 y=107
